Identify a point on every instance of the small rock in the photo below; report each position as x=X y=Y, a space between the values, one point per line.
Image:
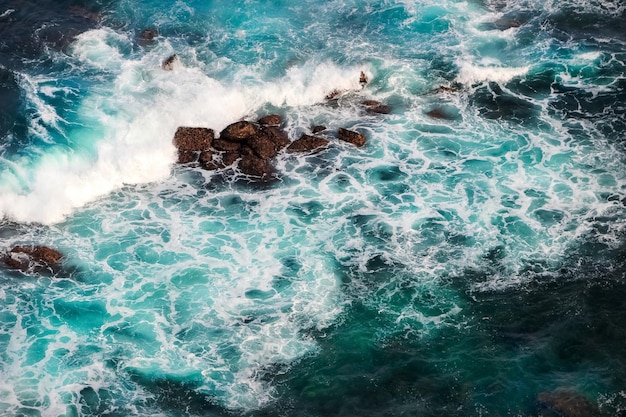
x=169 y=62
x=567 y=403
x=333 y=95
x=307 y=143
x=376 y=107
x=239 y=131
x=38 y=259
x=229 y=158
x=193 y=138
x=351 y=136
x=226 y=145
x=270 y=120
x=206 y=160
x=438 y=114
x=362 y=79
x=255 y=166
x=147 y=36
x=318 y=129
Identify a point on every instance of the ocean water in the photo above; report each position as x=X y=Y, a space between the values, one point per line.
x=468 y=259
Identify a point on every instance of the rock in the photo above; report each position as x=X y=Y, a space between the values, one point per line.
x=226 y=145
x=376 y=107
x=318 y=129
x=362 y=79
x=278 y=137
x=206 y=160
x=270 y=120
x=147 y=36
x=255 y=166
x=333 y=95
x=307 y=143
x=229 y=158
x=169 y=62
x=186 y=157
x=438 y=114
x=239 y=131
x=193 y=138
x=38 y=259
x=351 y=136
x=263 y=146
x=567 y=403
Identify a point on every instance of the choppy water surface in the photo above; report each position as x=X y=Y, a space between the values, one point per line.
x=465 y=262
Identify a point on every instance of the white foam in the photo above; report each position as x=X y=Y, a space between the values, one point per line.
x=488 y=72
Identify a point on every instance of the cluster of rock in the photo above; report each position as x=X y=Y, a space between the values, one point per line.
x=33 y=259
x=249 y=145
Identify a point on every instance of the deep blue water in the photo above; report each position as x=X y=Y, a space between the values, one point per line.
x=466 y=261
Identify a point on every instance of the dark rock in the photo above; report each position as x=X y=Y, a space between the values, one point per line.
x=263 y=146
x=147 y=36
x=270 y=120
x=193 y=138
x=438 y=114
x=186 y=157
x=226 y=145
x=362 y=79
x=376 y=107
x=278 y=136
x=318 y=129
x=255 y=166
x=333 y=95
x=169 y=62
x=307 y=143
x=229 y=158
x=351 y=136
x=239 y=131
x=37 y=259
x=567 y=403
x=206 y=160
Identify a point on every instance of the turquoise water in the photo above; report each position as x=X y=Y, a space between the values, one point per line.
x=454 y=266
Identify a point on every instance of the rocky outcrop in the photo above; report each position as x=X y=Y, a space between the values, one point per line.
x=566 y=403
x=33 y=259
x=318 y=129
x=351 y=136
x=307 y=143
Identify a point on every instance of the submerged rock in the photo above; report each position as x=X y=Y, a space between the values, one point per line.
x=318 y=129
x=147 y=36
x=255 y=166
x=307 y=143
x=351 y=136
x=37 y=259
x=567 y=403
x=438 y=114
x=376 y=107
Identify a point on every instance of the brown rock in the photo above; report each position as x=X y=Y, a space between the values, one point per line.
x=263 y=146
x=318 y=129
x=147 y=36
x=568 y=403
x=33 y=259
x=351 y=136
x=278 y=136
x=437 y=114
x=186 y=157
x=229 y=158
x=226 y=145
x=206 y=160
x=239 y=131
x=307 y=143
x=270 y=120
x=333 y=95
x=255 y=166
x=193 y=138
x=376 y=107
